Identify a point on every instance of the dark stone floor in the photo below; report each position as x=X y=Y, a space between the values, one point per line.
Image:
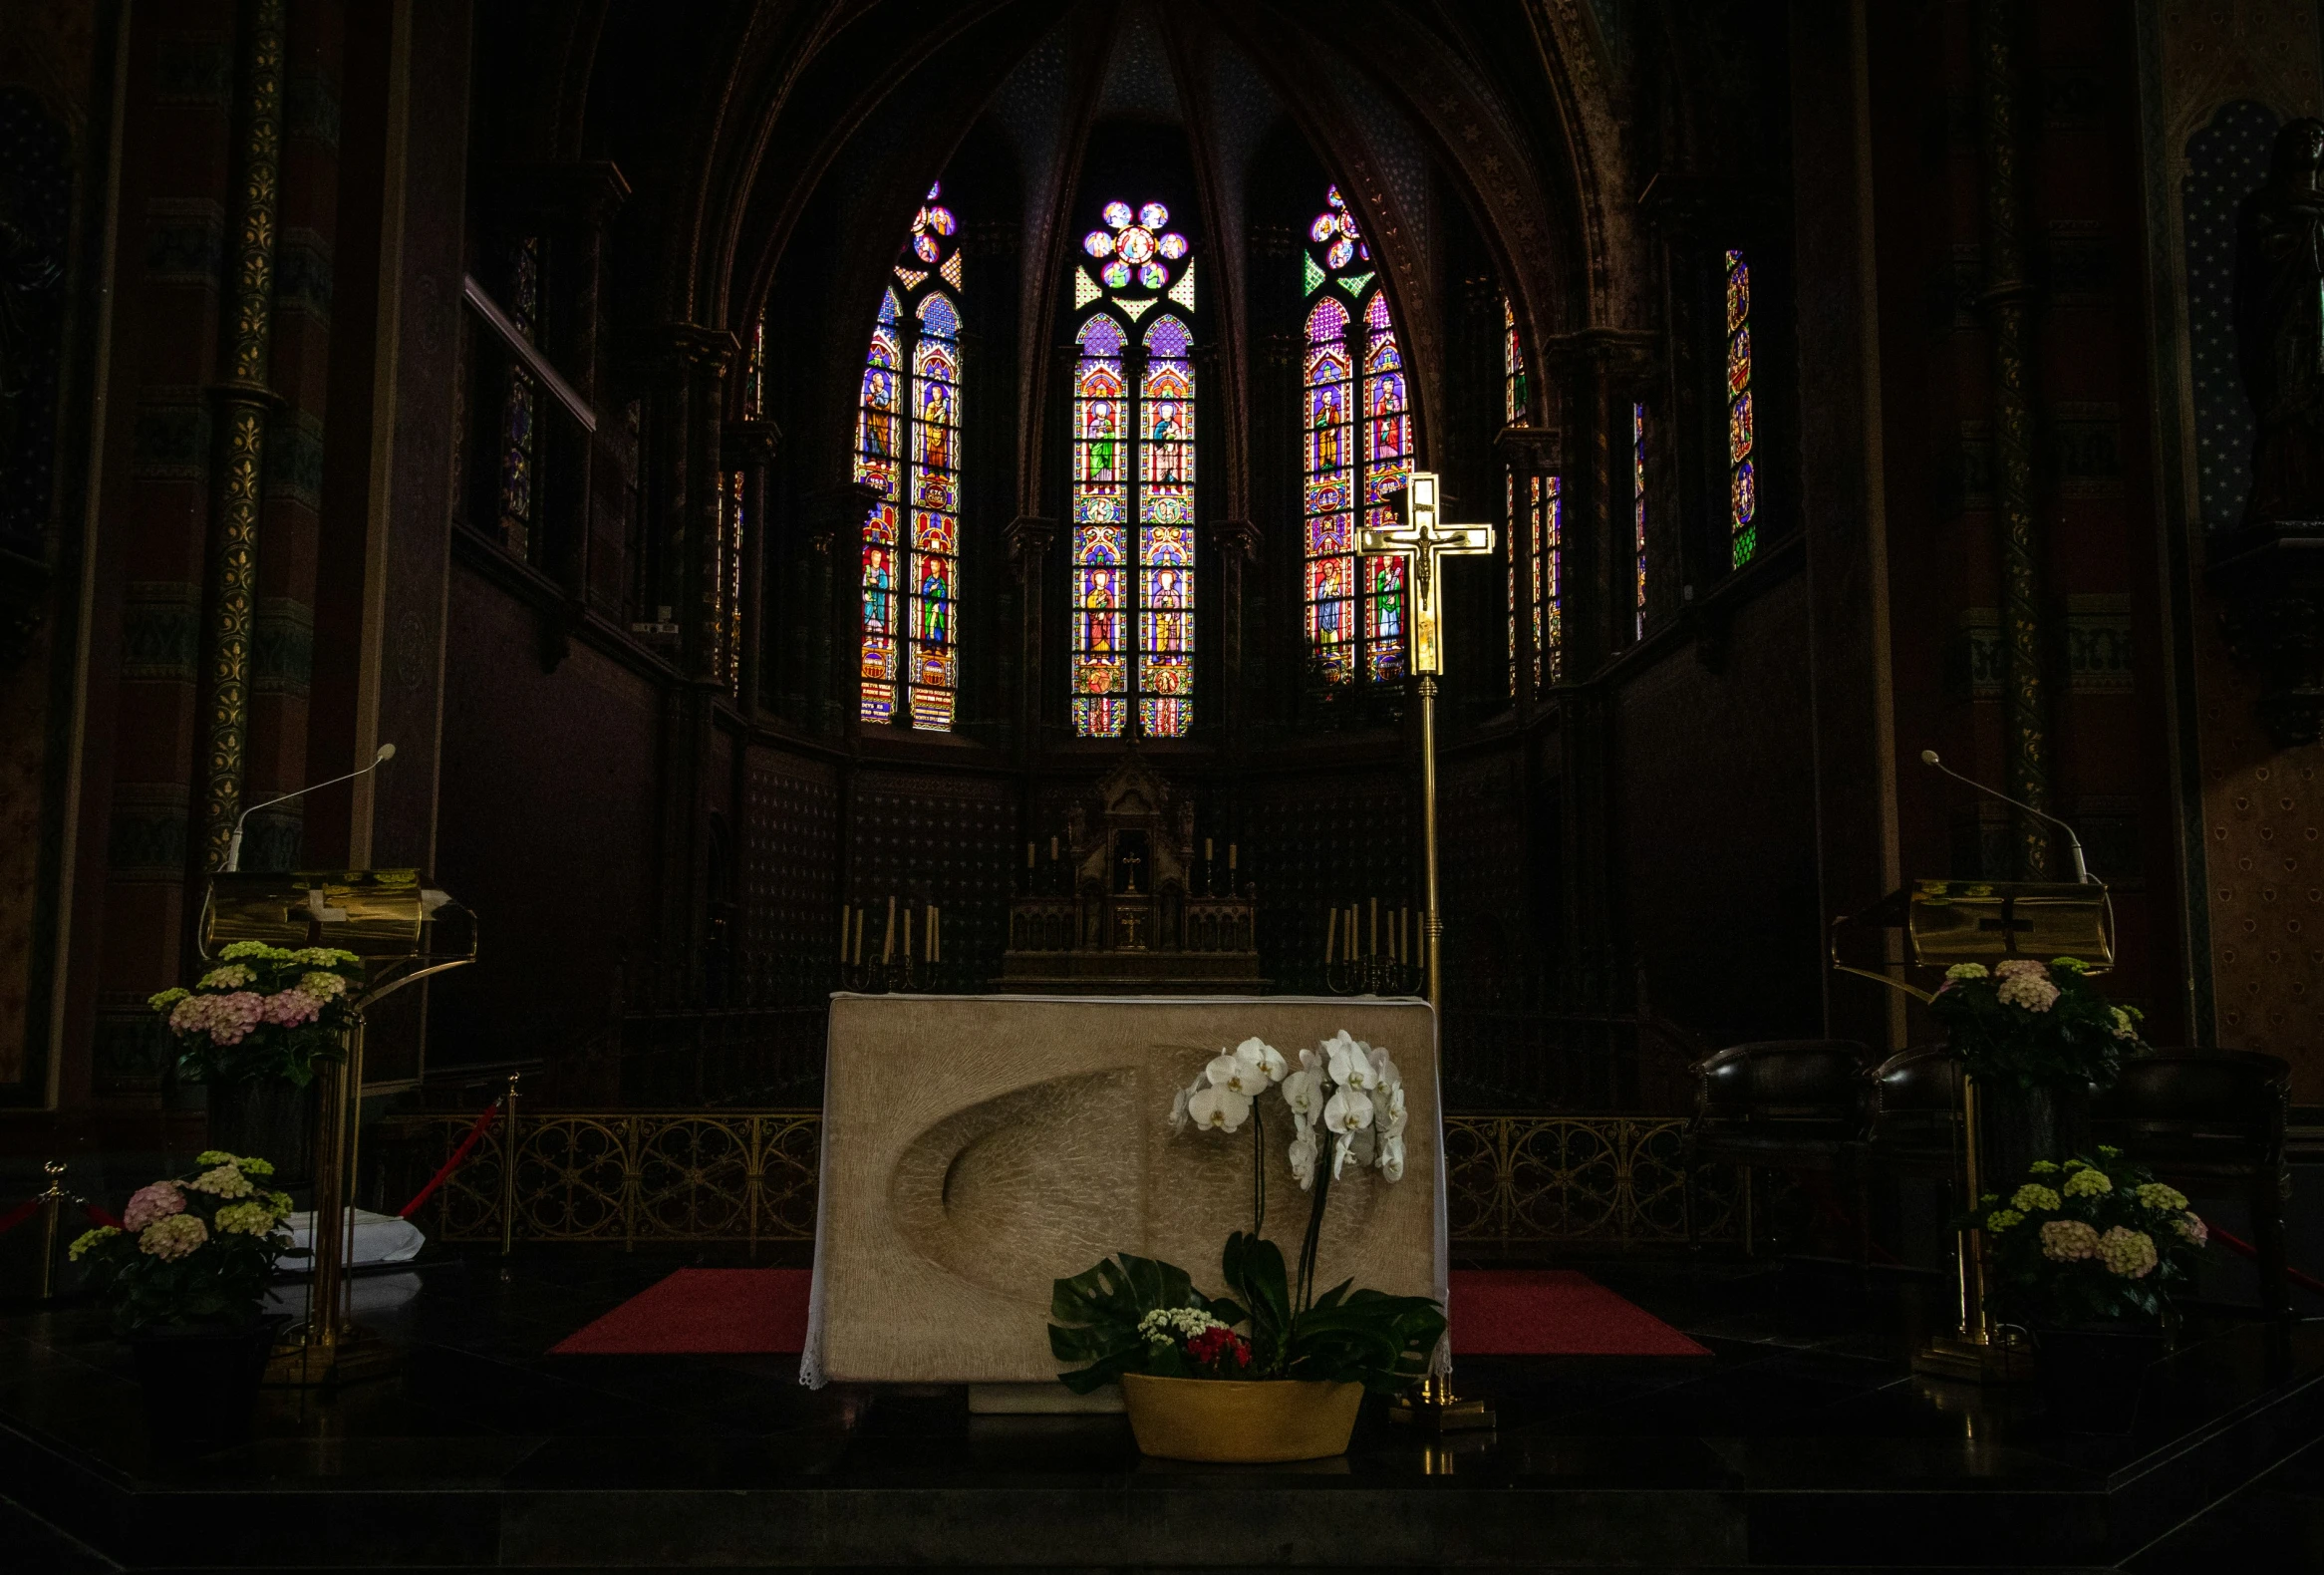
x=1802 y=1440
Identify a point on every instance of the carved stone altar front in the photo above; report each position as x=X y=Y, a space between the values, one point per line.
x=1128 y=901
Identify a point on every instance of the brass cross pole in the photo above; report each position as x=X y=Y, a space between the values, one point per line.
x=1426 y=540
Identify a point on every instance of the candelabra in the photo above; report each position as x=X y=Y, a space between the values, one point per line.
x=900 y=966
x=1387 y=963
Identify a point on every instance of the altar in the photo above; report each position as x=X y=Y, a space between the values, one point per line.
x=978 y=1149
x=1128 y=900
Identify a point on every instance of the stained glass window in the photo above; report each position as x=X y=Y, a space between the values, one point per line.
x=1515 y=401
x=520 y=405
x=1132 y=595
x=1547 y=524
x=1639 y=505
x=908 y=451
x=1742 y=479
x=1354 y=387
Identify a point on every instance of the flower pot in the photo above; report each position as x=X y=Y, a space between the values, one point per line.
x=2091 y=1374
x=267 y=1118
x=1227 y=1419
x=201 y=1380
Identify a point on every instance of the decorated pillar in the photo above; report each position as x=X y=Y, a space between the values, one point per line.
x=245 y=402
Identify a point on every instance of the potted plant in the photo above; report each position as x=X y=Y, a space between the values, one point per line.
x=2036 y=1038
x=2086 y=1254
x=1276 y=1369
x=186 y=1278
x=254 y=1028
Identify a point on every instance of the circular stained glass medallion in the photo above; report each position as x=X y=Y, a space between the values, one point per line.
x=1118 y=215
x=1153 y=216
x=1117 y=274
x=1153 y=275
x=1341 y=251
x=1137 y=244
x=1324 y=227
x=1097 y=244
x=1172 y=245
x=927 y=247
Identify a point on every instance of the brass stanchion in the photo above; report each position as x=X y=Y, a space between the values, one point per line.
x=56 y=1199
x=508 y=1167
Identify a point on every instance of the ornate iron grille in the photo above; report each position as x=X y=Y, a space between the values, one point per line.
x=631 y=1177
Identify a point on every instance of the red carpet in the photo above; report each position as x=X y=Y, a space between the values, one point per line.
x=1494 y=1313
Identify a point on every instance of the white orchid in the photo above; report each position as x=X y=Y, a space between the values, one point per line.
x=1220 y=1109
x=1303 y=1091
x=1391 y=1159
x=1341 y=1054
x=1258 y=1052
x=1236 y=1075
x=1302 y=1157
x=1347 y=1112
x=1388 y=1110
x=1385 y=1073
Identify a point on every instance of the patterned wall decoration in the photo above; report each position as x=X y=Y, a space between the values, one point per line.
x=1314 y=842
x=941 y=839
x=2266 y=826
x=1485 y=873
x=790 y=857
x=2225 y=160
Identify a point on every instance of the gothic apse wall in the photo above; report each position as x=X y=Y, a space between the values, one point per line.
x=762 y=457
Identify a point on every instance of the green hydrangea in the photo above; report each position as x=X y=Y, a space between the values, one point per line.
x=245 y=1219
x=2044 y=1167
x=88 y=1239
x=2088 y=1183
x=272 y=954
x=2168 y=1198
x=2003 y=1218
x=2033 y=1197
x=165 y=1000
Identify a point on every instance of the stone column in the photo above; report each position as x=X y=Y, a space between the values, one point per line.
x=246 y=401
x=750 y=447
x=835 y=518
x=1237 y=542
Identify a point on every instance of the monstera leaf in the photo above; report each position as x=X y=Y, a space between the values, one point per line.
x=1094 y=1316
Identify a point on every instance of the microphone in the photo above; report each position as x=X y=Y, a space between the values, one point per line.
x=234 y=843
x=2081 y=870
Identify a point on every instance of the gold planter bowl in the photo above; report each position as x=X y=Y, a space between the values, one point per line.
x=1223 y=1420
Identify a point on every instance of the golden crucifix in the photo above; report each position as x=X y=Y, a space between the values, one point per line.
x=1424 y=538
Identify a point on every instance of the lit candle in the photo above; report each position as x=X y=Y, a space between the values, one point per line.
x=1330 y=931
x=888 y=937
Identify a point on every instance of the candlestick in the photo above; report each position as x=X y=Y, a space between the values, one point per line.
x=1375 y=949
x=907 y=935
x=1230 y=858
x=1029 y=856
x=1206 y=849
x=1052 y=849
x=1404 y=930
x=935 y=952
x=888 y=937
x=1330 y=931
x=843 y=932
x=859 y=935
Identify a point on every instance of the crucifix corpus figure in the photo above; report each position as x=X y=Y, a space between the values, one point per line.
x=1424 y=537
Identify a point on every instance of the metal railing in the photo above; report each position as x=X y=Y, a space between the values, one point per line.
x=749 y=1175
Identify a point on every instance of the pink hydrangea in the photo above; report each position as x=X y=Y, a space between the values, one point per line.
x=290 y=1007
x=2065 y=1240
x=2191 y=1230
x=227 y=1019
x=2129 y=1253
x=2032 y=991
x=150 y=1203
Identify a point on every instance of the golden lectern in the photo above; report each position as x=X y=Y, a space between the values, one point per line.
x=402 y=930
x=1982 y=921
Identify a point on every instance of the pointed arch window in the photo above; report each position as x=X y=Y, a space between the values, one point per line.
x=1532 y=508
x=1132 y=601
x=908 y=451
x=1742 y=476
x=1358 y=449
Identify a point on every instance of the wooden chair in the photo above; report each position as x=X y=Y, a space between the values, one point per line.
x=1786 y=1105
x=2210 y=1121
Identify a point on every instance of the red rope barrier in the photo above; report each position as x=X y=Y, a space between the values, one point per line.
x=2244 y=1249
x=102 y=1216
x=20 y=1214
x=475 y=1135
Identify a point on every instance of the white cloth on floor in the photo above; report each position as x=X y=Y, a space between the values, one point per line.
x=378 y=1238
